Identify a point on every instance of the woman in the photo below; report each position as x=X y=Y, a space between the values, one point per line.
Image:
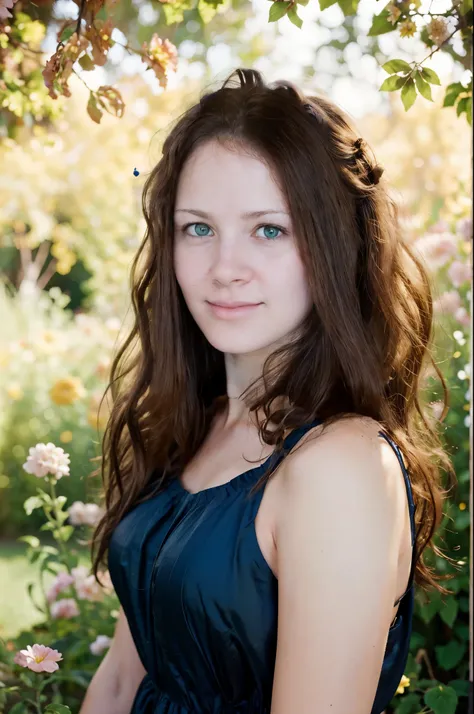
x=286 y=587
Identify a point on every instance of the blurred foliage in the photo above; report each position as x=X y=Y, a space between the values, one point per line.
x=32 y=89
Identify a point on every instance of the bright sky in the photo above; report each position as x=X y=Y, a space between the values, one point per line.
x=291 y=50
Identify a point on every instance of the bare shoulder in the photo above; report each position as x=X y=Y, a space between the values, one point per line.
x=342 y=449
x=338 y=530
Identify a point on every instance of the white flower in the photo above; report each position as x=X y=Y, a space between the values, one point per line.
x=84 y=513
x=47 y=459
x=101 y=644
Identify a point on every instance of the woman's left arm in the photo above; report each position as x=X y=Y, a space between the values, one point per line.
x=338 y=537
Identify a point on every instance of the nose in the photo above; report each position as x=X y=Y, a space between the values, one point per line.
x=230 y=262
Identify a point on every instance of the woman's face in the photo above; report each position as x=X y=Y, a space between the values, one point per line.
x=222 y=253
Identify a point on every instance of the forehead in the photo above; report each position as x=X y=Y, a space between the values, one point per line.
x=220 y=177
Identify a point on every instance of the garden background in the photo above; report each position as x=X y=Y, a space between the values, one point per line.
x=75 y=150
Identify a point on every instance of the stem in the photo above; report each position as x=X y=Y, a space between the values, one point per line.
x=56 y=513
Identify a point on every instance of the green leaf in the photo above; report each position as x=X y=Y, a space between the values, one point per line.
x=87 y=65
x=430 y=76
x=423 y=87
x=409 y=704
x=92 y=108
x=33 y=541
x=57 y=709
x=381 y=24
x=460 y=686
x=392 y=83
x=323 y=4
x=31 y=504
x=66 y=532
x=294 y=17
x=277 y=10
x=449 y=612
x=206 y=11
x=348 y=7
x=469 y=111
x=408 y=94
x=442 y=699
x=396 y=65
x=47 y=526
x=448 y=656
x=19 y=708
x=461 y=107
x=67 y=33
x=452 y=93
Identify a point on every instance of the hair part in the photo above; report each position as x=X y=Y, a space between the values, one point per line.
x=361 y=351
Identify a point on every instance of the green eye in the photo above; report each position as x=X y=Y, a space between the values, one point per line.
x=201 y=229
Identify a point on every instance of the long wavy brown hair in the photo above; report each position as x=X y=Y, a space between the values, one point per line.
x=363 y=349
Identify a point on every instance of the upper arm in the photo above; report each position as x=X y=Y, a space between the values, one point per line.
x=121 y=669
x=338 y=539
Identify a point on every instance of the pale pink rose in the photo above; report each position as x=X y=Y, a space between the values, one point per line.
x=6 y=5
x=459 y=273
x=20 y=659
x=101 y=643
x=463 y=317
x=87 y=514
x=464 y=227
x=80 y=573
x=65 y=609
x=448 y=302
x=62 y=582
x=89 y=589
x=440 y=226
x=47 y=459
x=437 y=248
x=40 y=658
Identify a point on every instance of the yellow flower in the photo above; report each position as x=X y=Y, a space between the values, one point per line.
x=95 y=418
x=15 y=392
x=407 y=28
x=67 y=390
x=462 y=506
x=65 y=437
x=404 y=682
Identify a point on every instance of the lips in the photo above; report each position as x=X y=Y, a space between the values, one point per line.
x=232 y=305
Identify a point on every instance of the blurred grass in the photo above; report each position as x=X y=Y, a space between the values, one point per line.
x=17 y=612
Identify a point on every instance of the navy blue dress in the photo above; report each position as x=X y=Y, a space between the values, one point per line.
x=202 y=602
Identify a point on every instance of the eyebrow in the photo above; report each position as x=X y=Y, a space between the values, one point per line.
x=248 y=214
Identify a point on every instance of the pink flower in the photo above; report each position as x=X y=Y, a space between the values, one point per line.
x=20 y=659
x=464 y=227
x=5 y=5
x=89 y=589
x=62 y=582
x=448 y=302
x=40 y=658
x=101 y=643
x=65 y=608
x=459 y=273
x=437 y=248
x=463 y=317
x=84 y=513
x=47 y=459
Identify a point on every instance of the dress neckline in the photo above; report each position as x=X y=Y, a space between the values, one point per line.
x=237 y=482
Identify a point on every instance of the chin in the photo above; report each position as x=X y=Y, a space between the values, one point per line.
x=239 y=343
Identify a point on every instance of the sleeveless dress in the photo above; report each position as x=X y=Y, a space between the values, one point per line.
x=202 y=602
